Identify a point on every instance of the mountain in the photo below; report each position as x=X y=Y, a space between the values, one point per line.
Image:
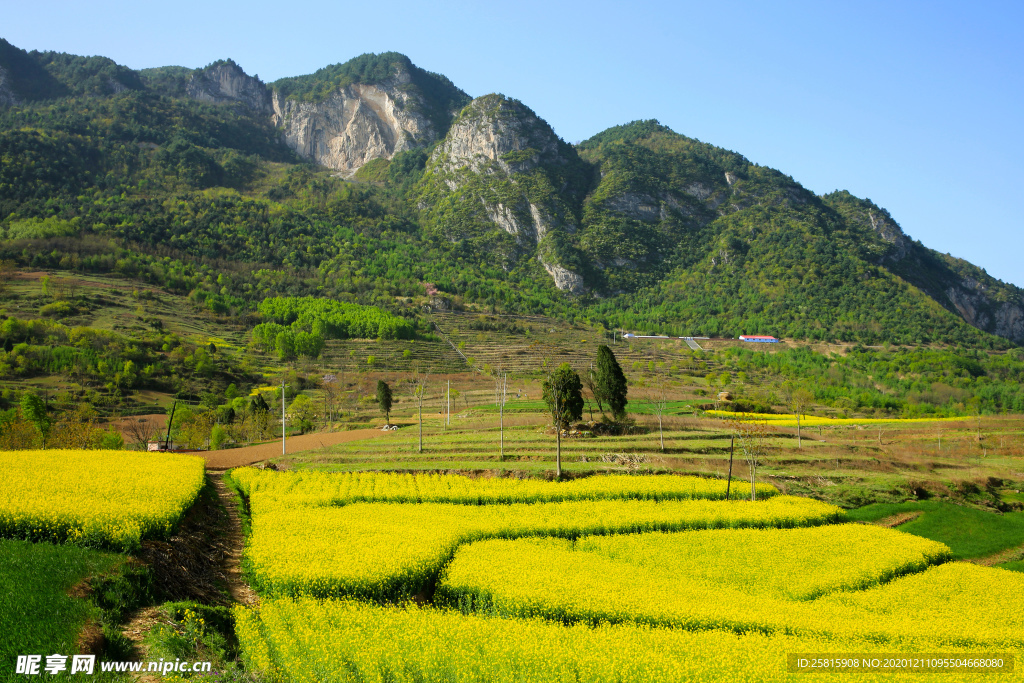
x=502 y=180
x=376 y=181
x=702 y=236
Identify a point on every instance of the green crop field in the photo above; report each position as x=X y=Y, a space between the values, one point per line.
x=39 y=611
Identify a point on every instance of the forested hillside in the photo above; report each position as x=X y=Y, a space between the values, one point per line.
x=108 y=170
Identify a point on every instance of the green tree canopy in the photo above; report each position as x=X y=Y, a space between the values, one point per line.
x=563 y=394
x=611 y=382
x=34 y=410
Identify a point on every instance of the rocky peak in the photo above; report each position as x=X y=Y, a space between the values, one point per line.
x=889 y=231
x=872 y=219
x=356 y=124
x=504 y=167
x=373 y=106
x=495 y=130
x=225 y=82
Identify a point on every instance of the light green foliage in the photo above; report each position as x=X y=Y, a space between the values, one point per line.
x=218 y=437
x=304 y=412
x=332 y=319
x=34 y=410
x=969 y=532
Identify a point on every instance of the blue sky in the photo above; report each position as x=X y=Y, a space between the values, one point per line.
x=916 y=105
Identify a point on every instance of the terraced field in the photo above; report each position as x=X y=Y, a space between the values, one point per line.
x=577 y=591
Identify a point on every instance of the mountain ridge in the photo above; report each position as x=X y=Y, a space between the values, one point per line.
x=637 y=226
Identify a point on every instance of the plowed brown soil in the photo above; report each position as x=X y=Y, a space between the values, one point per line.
x=239 y=457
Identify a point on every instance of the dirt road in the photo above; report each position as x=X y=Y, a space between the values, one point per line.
x=238 y=457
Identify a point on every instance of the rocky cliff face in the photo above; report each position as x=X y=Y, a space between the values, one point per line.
x=357 y=124
x=7 y=96
x=225 y=82
x=981 y=300
x=975 y=305
x=500 y=166
x=353 y=125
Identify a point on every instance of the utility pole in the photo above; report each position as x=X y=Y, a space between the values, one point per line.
x=448 y=415
x=556 y=391
x=501 y=414
x=732 y=445
x=283 y=385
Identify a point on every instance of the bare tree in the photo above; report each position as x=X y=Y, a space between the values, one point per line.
x=501 y=397
x=139 y=430
x=753 y=438
x=655 y=397
x=418 y=388
x=590 y=384
x=330 y=387
x=799 y=399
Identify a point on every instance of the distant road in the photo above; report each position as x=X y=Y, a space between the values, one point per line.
x=693 y=345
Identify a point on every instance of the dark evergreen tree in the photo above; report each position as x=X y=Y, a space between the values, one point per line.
x=610 y=382
x=258 y=404
x=384 y=399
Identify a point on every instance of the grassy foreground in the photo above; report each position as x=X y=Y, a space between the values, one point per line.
x=41 y=612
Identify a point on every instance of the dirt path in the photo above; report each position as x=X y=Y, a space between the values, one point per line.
x=202 y=559
x=1008 y=555
x=234 y=541
x=893 y=521
x=238 y=457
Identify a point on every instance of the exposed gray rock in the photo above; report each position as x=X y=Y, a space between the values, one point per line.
x=116 y=87
x=494 y=131
x=507 y=220
x=224 y=83
x=492 y=145
x=640 y=207
x=1004 y=319
x=356 y=124
x=699 y=190
x=7 y=96
x=565 y=279
x=889 y=231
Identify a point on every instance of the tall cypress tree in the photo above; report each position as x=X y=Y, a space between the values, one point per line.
x=611 y=382
x=384 y=399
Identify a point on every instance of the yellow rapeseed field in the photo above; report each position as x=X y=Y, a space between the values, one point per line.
x=796 y=564
x=789 y=419
x=392 y=550
x=305 y=640
x=102 y=498
x=342 y=488
x=745 y=589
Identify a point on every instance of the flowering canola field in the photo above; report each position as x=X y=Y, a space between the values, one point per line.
x=552 y=579
x=393 y=550
x=789 y=419
x=306 y=640
x=621 y=581
x=343 y=488
x=98 y=498
x=794 y=564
